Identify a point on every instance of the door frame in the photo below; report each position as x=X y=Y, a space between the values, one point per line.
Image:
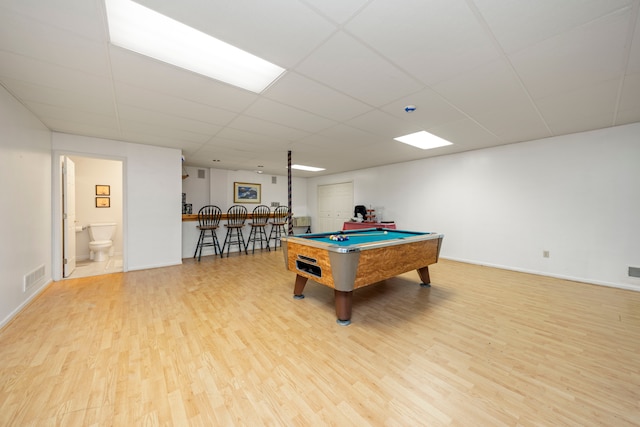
x=57 y=252
x=68 y=218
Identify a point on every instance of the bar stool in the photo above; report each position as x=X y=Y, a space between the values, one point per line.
x=236 y=216
x=208 y=220
x=280 y=217
x=259 y=216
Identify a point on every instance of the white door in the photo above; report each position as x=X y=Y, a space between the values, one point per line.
x=335 y=206
x=68 y=216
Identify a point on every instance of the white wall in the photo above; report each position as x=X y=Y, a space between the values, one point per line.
x=25 y=207
x=222 y=189
x=197 y=189
x=217 y=189
x=576 y=196
x=152 y=199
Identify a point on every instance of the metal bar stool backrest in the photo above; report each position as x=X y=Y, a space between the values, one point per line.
x=209 y=216
x=236 y=215
x=260 y=215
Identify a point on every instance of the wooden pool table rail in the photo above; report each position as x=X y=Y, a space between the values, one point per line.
x=349 y=270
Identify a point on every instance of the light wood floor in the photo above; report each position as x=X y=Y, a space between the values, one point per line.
x=223 y=343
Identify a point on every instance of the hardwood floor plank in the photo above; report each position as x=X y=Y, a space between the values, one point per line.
x=222 y=342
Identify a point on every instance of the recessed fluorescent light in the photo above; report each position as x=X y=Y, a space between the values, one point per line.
x=423 y=140
x=306 y=168
x=137 y=28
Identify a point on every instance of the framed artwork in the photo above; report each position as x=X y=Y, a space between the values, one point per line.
x=103 y=202
x=103 y=190
x=246 y=193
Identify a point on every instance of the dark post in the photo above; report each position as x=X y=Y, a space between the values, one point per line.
x=290 y=231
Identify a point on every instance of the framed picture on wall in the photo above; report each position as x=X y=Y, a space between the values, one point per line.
x=103 y=202
x=103 y=190
x=246 y=193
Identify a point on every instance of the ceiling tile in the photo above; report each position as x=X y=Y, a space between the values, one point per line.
x=166 y=123
x=29 y=70
x=98 y=101
x=141 y=135
x=629 y=107
x=492 y=86
x=133 y=96
x=382 y=124
x=431 y=110
x=352 y=68
x=351 y=137
x=515 y=123
x=465 y=134
x=71 y=115
x=263 y=127
x=338 y=11
x=517 y=25
x=257 y=140
x=586 y=55
x=75 y=127
x=494 y=97
x=296 y=90
x=169 y=133
x=633 y=67
x=50 y=44
x=431 y=40
x=277 y=112
x=237 y=145
x=585 y=108
x=137 y=70
x=231 y=159
x=81 y=17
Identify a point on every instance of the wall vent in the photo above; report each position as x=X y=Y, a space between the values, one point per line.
x=274 y=179
x=34 y=278
x=634 y=271
x=201 y=173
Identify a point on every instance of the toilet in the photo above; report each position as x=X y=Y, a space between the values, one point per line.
x=101 y=245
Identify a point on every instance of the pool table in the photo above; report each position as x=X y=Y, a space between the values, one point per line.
x=367 y=256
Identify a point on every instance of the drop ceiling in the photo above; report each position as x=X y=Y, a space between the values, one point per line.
x=481 y=73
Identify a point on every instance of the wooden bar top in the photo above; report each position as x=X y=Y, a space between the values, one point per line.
x=194 y=217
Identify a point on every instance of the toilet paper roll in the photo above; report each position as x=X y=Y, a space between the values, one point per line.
x=79 y=228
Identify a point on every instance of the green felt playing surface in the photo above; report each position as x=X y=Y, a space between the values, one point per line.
x=363 y=236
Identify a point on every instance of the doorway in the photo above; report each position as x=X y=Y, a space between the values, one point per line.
x=91 y=191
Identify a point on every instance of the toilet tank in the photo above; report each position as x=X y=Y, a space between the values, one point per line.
x=102 y=230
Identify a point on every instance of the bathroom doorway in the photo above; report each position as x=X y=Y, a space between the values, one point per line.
x=91 y=193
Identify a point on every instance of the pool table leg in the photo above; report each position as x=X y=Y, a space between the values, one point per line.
x=423 y=272
x=299 y=286
x=344 y=302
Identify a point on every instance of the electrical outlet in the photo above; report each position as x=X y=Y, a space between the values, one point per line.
x=545 y=254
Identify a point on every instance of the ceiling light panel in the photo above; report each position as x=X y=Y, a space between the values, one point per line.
x=423 y=140
x=142 y=30
x=306 y=168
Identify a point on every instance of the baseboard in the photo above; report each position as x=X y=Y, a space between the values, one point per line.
x=547 y=274
x=148 y=267
x=25 y=303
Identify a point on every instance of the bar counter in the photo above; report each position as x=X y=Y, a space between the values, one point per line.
x=194 y=217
